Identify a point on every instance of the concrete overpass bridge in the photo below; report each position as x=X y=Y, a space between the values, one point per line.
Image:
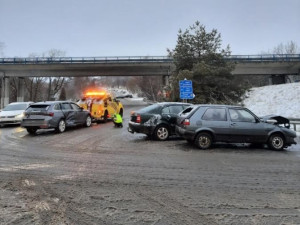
x=271 y=65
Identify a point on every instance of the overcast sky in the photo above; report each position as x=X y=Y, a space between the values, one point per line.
x=142 y=27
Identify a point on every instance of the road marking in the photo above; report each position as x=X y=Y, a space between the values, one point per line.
x=25 y=167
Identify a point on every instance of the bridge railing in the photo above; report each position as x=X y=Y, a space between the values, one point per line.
x=265 y=58
x=111 y=59
x=143 y=59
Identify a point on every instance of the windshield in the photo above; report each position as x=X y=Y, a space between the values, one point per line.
x=14 y=107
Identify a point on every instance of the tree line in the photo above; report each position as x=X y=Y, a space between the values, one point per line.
x=198 y=56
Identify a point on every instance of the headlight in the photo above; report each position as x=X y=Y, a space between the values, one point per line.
x=20 y=116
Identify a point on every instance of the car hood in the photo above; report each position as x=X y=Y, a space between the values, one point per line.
x=280 y=120
x=11 y=113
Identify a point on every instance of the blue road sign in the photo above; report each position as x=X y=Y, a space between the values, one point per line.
x=186 y=89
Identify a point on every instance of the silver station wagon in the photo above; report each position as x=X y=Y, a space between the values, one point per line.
x=56 y=114
x=205 y=124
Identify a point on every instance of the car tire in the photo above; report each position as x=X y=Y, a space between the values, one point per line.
x=88 y=121
x=276 y=142
x=31 y=130
x=161 y=133
x=203 y=140
x=61 y=127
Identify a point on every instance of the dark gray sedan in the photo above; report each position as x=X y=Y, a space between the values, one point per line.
x=56 y=114
x=206 y=124
x=157 y=120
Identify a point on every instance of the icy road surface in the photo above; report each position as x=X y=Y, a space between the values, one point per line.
x=105 y=175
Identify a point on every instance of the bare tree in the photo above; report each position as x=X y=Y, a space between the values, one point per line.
x=150 y=86
x=54 y=83
x=34 y=87
x=288 y=48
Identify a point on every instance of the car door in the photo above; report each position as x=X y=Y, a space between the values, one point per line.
x=216 y=119
x=169 y=114
x=245 y=127
x=69 y=113
x=80 y=115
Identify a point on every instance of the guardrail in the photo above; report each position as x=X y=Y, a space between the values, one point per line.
x=295 y=122
x=143 y=59
x=265 y=58
x=104 y=60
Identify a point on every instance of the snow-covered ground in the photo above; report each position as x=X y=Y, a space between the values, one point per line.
x=282 y=99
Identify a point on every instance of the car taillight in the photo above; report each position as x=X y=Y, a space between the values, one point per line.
x=186 y=122
x=51 y=114
x=138 y=119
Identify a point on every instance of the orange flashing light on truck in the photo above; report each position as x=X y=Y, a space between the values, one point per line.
x=101 y=105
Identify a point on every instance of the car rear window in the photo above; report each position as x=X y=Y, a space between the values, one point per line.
x=172 y=109
x=37 y=108
x=151 y=109
x=187 y=110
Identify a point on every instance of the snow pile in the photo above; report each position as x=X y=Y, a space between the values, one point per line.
x=127 y=98
x=283 y=100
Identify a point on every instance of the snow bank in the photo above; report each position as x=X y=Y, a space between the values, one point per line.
x=283 y=99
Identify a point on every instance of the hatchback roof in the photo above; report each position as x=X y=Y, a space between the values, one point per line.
x=216 y=105
x=173 y=103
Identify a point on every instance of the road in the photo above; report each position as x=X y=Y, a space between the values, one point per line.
x=106 y=175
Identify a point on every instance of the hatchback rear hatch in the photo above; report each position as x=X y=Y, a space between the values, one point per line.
x=183 y=117
x=38 y=111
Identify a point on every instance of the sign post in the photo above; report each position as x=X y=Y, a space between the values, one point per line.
x=186 y=89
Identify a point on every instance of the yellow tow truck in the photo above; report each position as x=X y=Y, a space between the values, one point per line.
x=101 y=105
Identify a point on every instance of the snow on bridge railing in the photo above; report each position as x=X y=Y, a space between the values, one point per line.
x=143 y=59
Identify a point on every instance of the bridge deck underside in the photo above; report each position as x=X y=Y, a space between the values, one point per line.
x=136 y=69
x=86 y=69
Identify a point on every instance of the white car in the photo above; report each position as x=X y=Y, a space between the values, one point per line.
x=13 y=113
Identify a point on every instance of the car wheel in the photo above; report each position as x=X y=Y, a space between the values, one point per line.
x=203 y=140
x=276 y=142
x=31 y=130
x=161 y=133
x=88 y=121
x=61 y=126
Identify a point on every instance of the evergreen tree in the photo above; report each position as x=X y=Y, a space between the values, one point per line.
x=198 y=56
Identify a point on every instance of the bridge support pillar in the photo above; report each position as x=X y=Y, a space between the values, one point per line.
x=165 y=80
x=5 y=89
x=21 y=89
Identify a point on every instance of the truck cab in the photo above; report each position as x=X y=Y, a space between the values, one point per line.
x=101 y=104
